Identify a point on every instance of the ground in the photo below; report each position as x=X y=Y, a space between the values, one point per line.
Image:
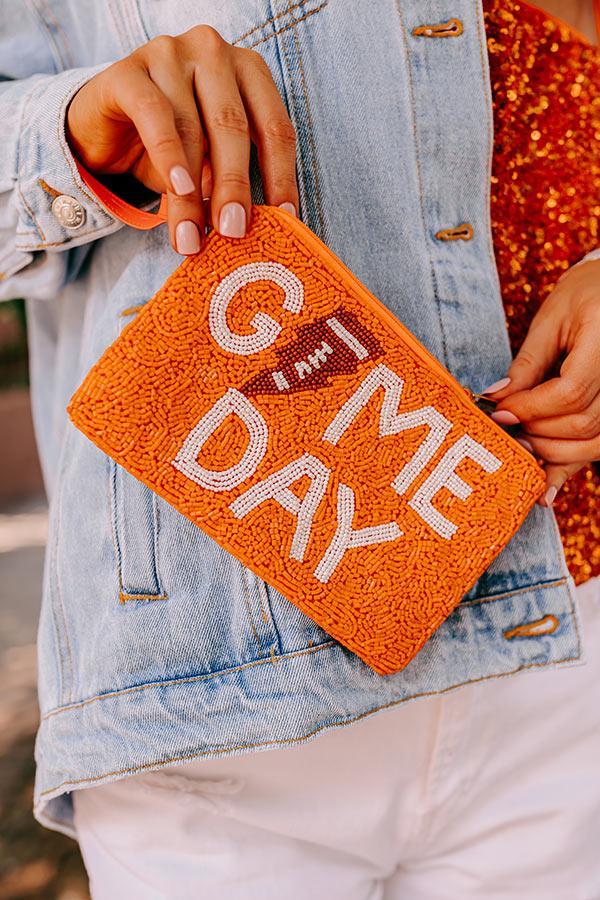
x=34 y=863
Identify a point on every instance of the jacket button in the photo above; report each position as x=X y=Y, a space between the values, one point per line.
x=68 y=212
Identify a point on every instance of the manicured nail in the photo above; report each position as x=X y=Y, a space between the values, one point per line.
x=525 y=443
x=504 y=417
x=289 y=208
x=187 y=238
x=232 y=221
x=497 y=386
x=181 y=181
x=550 y=495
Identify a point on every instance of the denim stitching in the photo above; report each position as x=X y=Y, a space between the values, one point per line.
x=311 y=134
x=285 y=741
x=289 y=26
x=569 y=582
x=64 y=50
x=413 y=106
x=63 y=146
x=284 y=656
x=311 y=163
x=119 y=30
x=246 y=592
x=57 y=56
x=31 y=215
x=60 y=607
x=176 y=681
x=155 y=533
x=40 y=245
x=540 y=586
x=490 y=139
x=112 y=499
x=270 y=21
x=48 y=188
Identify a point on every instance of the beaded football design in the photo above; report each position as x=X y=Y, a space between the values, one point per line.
x=282 y=408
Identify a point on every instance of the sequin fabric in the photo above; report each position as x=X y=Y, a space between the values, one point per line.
x=270 y=398
x=545 y=197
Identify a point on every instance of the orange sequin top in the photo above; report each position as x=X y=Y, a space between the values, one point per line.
x=545 y=198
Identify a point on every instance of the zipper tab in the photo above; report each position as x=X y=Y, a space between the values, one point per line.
x=485 y=404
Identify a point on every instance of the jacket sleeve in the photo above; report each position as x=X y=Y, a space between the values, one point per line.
x=593 y=254
x=45 y=208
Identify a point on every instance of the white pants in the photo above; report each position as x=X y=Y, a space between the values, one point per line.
x=491 y=791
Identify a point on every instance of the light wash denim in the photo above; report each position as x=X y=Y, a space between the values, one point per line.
x=394 y=144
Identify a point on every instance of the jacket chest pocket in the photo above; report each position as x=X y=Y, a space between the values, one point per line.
x=247 y=23
x=135 y=519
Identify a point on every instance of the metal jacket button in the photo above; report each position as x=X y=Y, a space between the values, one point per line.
x=68 y=212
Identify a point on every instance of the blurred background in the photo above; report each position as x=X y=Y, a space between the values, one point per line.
x=34 y=862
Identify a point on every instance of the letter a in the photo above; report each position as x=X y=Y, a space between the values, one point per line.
x=277 y=487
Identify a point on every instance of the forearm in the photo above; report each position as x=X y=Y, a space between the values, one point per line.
x=36 y=168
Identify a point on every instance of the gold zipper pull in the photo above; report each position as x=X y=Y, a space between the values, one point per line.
x=485 y=404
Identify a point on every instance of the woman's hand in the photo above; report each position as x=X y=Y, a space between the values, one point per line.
x=560 y=417
x=161 y=112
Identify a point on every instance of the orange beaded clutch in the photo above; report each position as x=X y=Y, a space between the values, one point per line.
x=268 y=396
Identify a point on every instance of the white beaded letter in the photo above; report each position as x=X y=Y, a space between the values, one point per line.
x=266 y=329
x=444 y=476
x=345 y=538
x=231 y=403
x=277 y=487
x=393 y=422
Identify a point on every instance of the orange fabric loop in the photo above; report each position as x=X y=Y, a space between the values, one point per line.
x=119 y=208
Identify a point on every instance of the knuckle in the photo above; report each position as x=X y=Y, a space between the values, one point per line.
x=150 y=104
x=552 y=454
x=208 y=37
x=285 y=187
x=235 y=180
x=280 y=131
x=164 y=143
x=587 y=425
x=164 y=45
x=258 y=62
x=575 y=392
x=188 y=126
x=525 y=359
x=232 y=118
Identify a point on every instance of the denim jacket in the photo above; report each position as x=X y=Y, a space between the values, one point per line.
x=202 y=658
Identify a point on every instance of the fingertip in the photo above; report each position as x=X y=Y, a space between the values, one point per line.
x=497 y=386
x=181 y=181
x=289 y=208
x=188 y=239
x=232 y=220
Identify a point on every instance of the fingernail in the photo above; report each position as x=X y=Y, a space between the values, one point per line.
x=232 y=221
x=187 y=238
x=550 y=495
x=497 y=386
x=525 y=443
x=289 y=208
x=504 y=417
x=181 y=181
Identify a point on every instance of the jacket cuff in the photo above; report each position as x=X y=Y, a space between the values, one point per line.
x=594 y=254
x=56 y=210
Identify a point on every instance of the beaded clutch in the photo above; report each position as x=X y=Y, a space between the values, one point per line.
x=271 y=399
